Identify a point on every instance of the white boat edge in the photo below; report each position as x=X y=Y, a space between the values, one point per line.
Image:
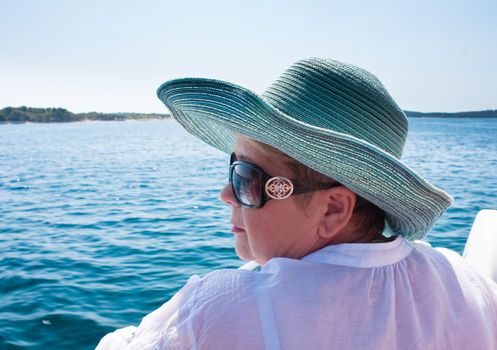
x=250 y=265
x=481 y=246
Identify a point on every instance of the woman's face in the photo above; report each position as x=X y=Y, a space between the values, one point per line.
x=281 y=228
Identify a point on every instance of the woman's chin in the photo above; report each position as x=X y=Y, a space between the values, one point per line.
x=243 y=255
x=242 y=250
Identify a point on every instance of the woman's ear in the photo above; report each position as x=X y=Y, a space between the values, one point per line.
x=338 y=206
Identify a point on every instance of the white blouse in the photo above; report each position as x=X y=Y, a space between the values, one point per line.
x=395 y=295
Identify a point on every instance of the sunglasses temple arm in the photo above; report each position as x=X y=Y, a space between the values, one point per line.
x=299 y=189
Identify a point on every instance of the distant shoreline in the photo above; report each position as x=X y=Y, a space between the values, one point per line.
x=18 y=115
x=472 y=114
x=60 y=115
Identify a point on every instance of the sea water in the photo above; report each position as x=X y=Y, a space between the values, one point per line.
x=101 y=222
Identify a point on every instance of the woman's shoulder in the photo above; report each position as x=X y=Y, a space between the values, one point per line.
x=220 y=298
x=229 y=283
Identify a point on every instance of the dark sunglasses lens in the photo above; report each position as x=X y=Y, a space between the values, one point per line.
x=247 y=184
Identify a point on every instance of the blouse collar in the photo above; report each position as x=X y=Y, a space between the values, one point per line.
x=362 y=254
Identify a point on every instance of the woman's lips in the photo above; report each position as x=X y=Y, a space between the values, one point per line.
x=237 y=229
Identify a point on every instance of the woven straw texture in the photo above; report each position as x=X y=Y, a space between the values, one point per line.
x=333 y=117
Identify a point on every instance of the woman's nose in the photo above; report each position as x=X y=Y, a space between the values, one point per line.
x=227 y=195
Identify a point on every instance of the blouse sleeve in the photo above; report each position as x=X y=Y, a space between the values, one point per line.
x=168 y=327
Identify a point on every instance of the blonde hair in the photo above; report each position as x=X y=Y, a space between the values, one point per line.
x=367 y=216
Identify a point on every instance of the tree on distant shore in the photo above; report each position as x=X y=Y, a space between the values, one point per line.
x=35 y=115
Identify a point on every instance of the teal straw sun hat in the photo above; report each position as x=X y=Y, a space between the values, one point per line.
x=334 y=117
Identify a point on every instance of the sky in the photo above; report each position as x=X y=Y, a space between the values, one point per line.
x=111 y=56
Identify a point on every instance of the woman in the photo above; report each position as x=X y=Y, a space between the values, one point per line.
x=320 y=199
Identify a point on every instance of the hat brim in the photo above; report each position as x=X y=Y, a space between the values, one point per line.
x=216 y=111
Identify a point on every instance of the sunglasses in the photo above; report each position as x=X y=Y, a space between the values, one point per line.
x=252 y=187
